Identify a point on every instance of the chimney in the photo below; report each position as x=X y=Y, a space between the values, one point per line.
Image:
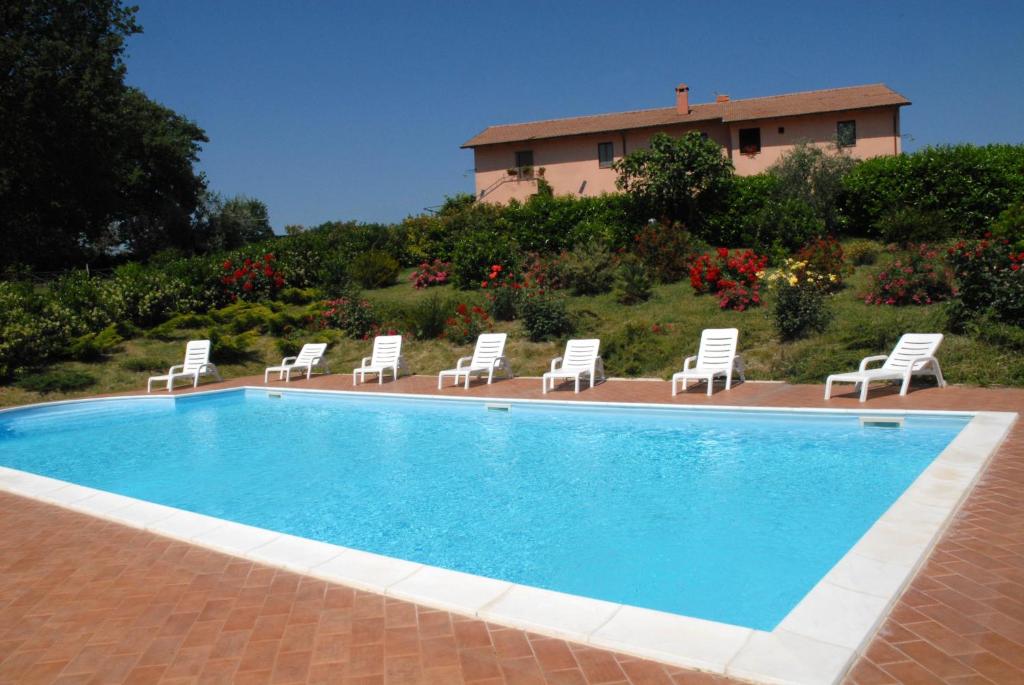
x=683 y=98
x=722 y=98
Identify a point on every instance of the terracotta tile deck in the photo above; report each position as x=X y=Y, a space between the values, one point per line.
x=86 y=600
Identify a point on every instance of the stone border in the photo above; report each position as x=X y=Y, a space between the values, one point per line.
x=815 y=644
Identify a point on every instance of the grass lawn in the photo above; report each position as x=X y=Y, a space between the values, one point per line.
x=629 y=346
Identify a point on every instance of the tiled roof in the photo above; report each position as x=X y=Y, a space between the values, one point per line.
x=792 y=104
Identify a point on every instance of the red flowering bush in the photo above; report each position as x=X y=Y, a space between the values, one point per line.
x=824 y=256
x=431 y=273
x=506 y=291
x=916 y=278
x=738 y=273
x=467 y=324
x=990 y=275
x=352 y=315
x=252 y=279
x=667 y=250
x=739 y=297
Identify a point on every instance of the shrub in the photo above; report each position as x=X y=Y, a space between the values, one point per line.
x=506 y=290
x=1009 y=225
x=968 y=185
x=227 y=348
x=57 y=380
x=990 y=277
x=148 y=296
x=712 y=274
x=908 y=225
x=146 y=364
x=824 y=258
x=251 y=278
x=667 y=250
x=171 y=329
x=918 y=277
x=297 y=295
x=799 y=273
x=92 y=346
x=34 y=327
x=814 y=176
x=545 y=318
x=862 y=252
x=799 y=310
x=476 y=253
x=246 y=316
x=739 y=297
x=374 y=269
x=632 y=281
x=428 y=318
x=431 y=273
x=351 y=314
x=782 y=225
x=466 y=324
x=635 y=349
x=588 y=269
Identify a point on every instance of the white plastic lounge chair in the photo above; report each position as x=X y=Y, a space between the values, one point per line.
x=311 y=356
x=581 y=358
x=715 y=357
x=387 y=356
x=914 y=355
x=488 y=356
x=197 y=363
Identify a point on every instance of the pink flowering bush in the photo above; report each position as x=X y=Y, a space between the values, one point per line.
x=432 y=273
x=919 y=277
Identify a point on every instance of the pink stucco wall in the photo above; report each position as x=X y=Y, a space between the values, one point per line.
x=571 y=165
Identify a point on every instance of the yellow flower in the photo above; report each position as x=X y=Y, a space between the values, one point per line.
x=793 y=280
x=832 y=277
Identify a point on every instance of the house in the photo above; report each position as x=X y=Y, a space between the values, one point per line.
x=575 y=155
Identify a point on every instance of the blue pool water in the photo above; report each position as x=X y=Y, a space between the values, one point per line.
x=727 y=516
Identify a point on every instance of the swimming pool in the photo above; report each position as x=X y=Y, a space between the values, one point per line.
x=731 y=517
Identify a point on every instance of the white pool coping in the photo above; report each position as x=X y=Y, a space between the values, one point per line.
x=815 y=644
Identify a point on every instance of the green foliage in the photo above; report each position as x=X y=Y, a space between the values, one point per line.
x=374 y=269
x=146 y=364
x=173 y=327
x=351 y=314
x=968 y=185
x=782 y=226
x=990 y=276
x=428 y=317
x=297 y=295
x=667 y=250
x=632 y=281
x=634 y=350
x=57 y=380
x=92 y=346
x=917 y=276
x=862 y=252
x=477 y=252
x=678 y=179
x=799 y=310
x=909 y=225
x=588 y=269
x=814 y=176
x=1009 y=225
x=232 y=223
x=228 y=348
x=545 y=318
x=465 y=324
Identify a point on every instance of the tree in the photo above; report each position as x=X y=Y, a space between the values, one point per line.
x=232 y=223
x=85 y=161
x=677 y=179
x=814 y=175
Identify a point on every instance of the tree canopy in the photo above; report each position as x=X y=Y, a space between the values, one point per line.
x=88 y=165
x=677 y=179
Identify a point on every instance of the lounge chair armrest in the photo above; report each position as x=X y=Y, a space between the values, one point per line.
x=555 y=361
x=366 y=361
x=285 y=361
x=498 y=362
x=738 y=363
x=175 y=369
x=462 y=362
x=867 y=360
x=923 y=362
x=688 y=361
x=316 y=361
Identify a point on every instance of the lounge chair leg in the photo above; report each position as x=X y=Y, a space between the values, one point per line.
x=906 y=385
x=864 y=391
x=711 y=385
x=828 y=388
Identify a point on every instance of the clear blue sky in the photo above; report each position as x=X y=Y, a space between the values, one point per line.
x=332 y=110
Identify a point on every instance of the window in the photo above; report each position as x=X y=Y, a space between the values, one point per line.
x=524 y=158
x=750 y=141
x=605 y=155
x=782 y=130
x=846 y=133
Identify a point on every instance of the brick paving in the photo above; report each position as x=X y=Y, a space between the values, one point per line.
x=83 y=600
